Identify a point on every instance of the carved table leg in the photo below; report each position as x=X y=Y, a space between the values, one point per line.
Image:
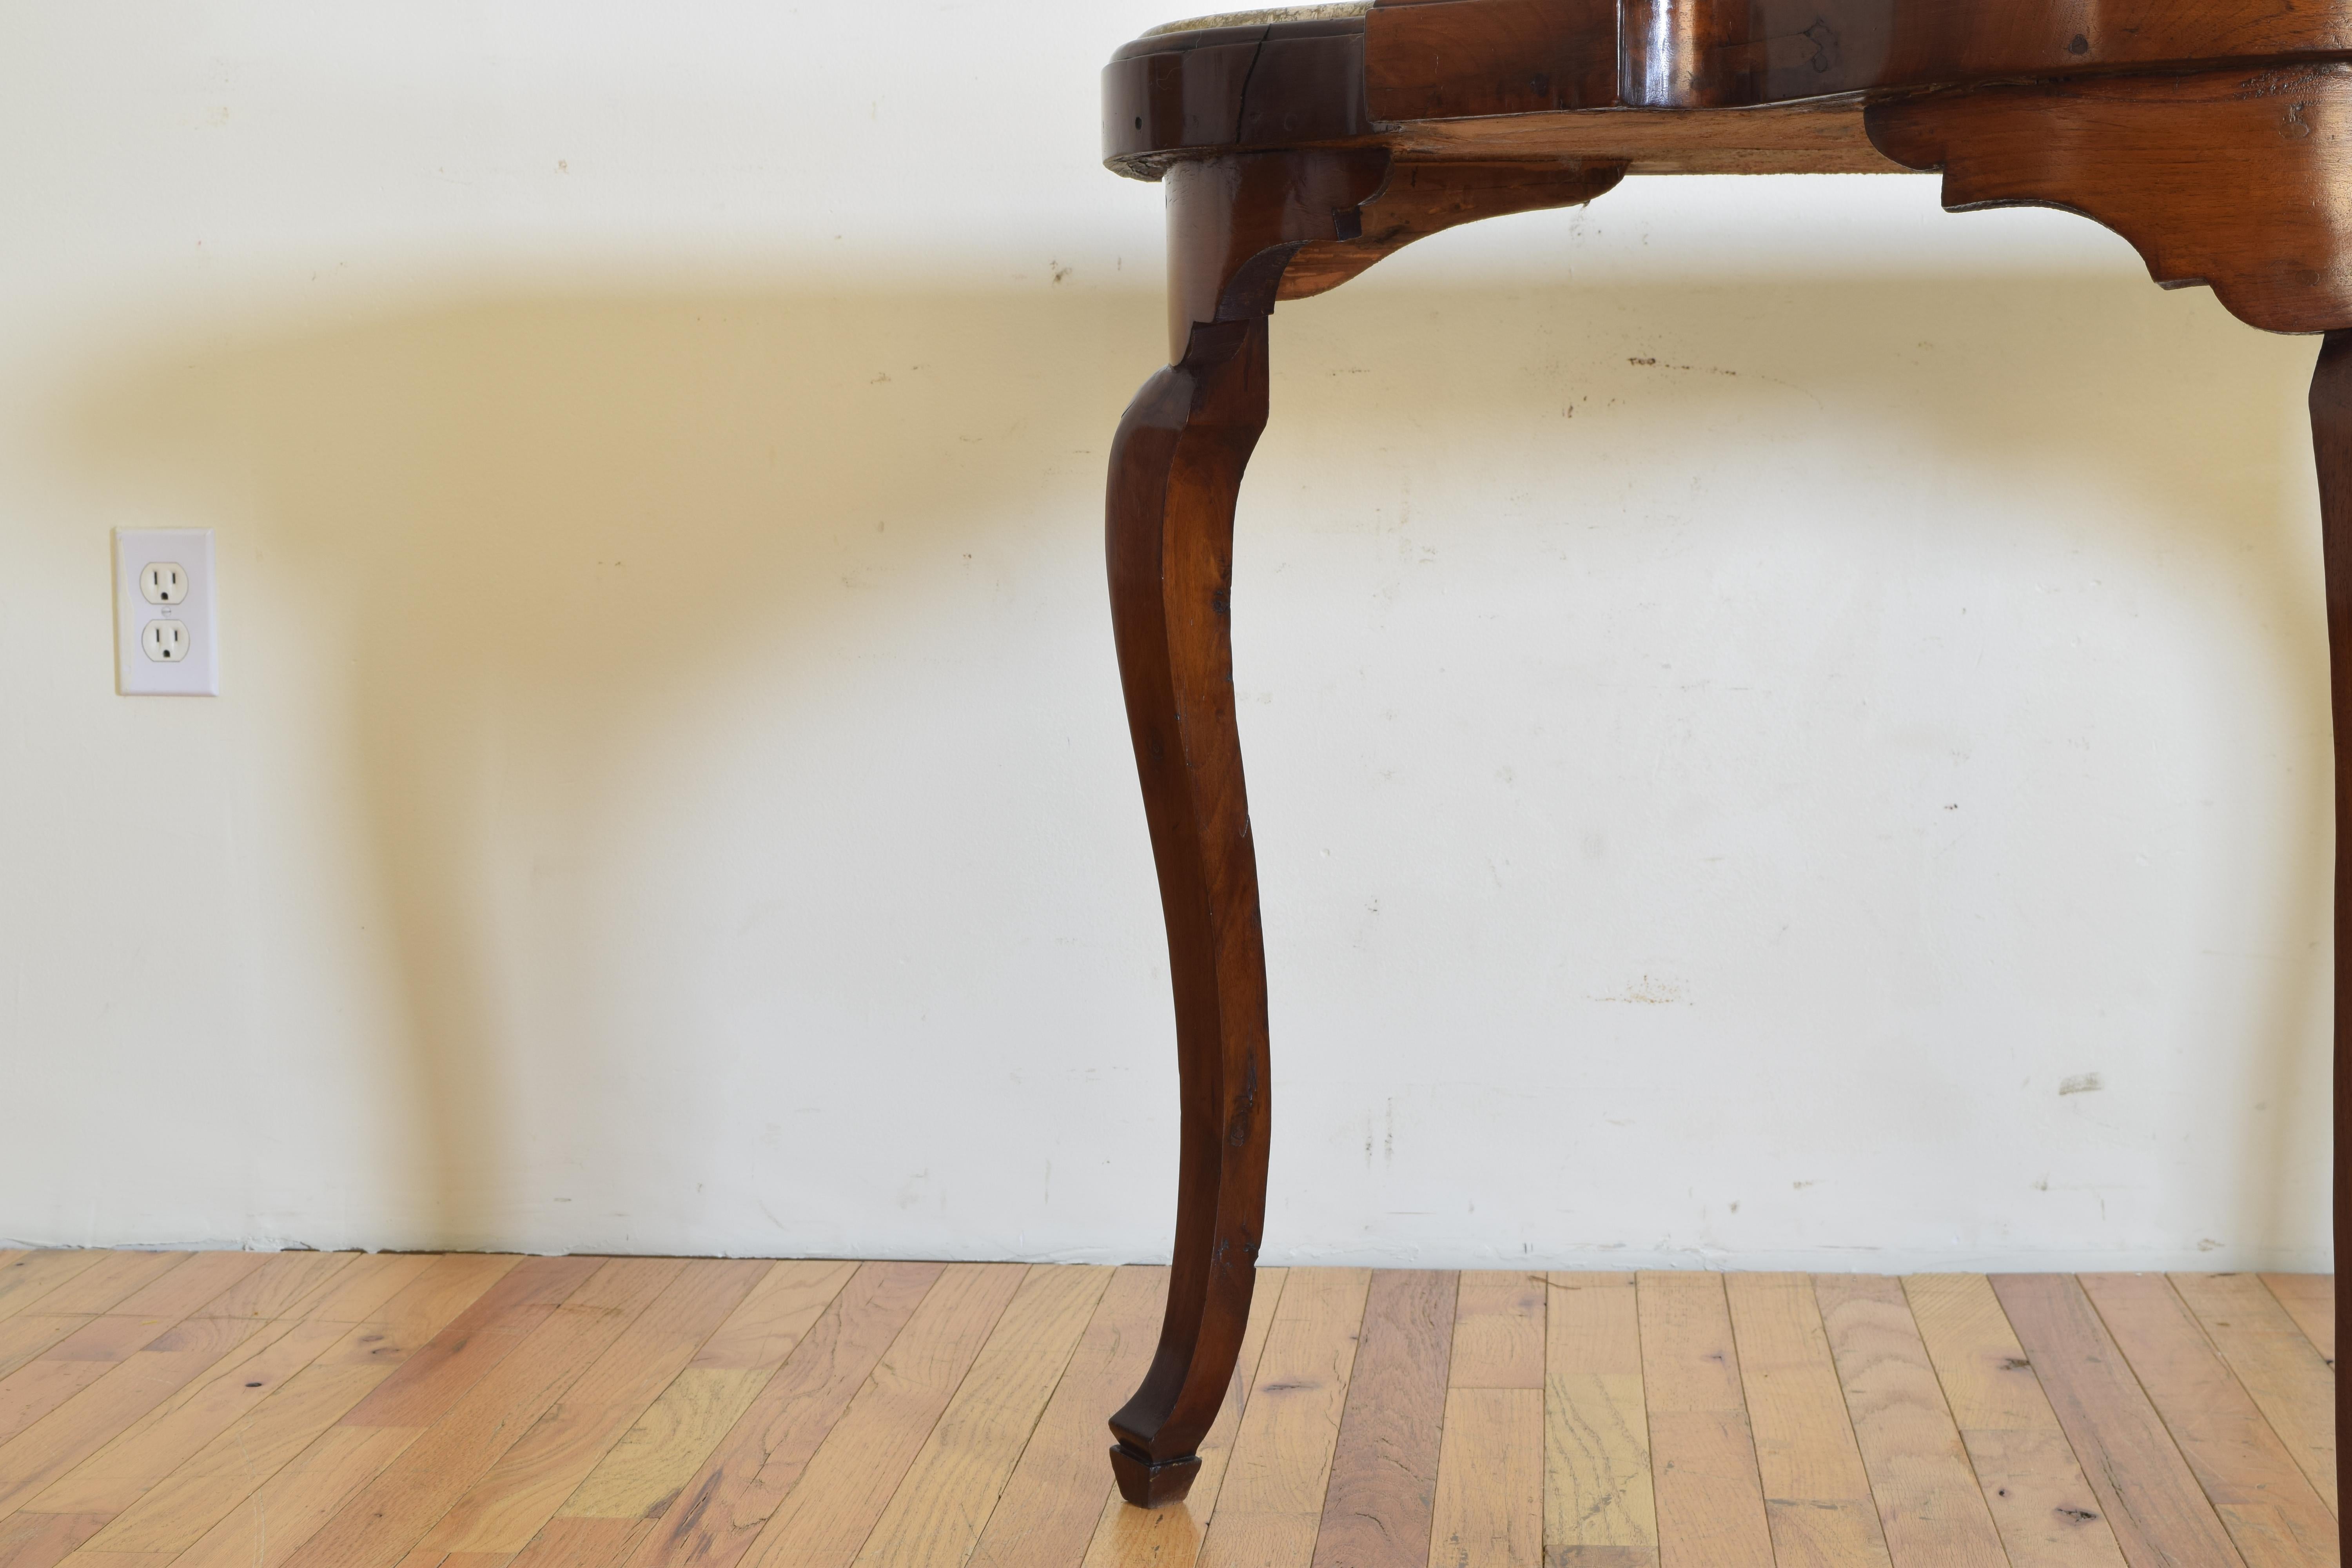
x=1175 y=471
x=1176 y=468
x=2331 y=441
x=1236 y=225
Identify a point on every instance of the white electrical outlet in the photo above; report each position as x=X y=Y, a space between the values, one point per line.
x=164 y=642
x=164 y=583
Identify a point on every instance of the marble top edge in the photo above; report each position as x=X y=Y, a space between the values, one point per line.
x=1262 y=17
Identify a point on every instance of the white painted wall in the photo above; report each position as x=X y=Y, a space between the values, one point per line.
x=1754 y=690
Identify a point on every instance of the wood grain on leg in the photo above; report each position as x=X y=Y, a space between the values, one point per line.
x=2331 y=443
x=1175 y=471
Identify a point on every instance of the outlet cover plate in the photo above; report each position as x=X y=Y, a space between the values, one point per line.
x=135 y=673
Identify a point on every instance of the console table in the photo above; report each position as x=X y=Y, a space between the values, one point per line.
x=1298 y=146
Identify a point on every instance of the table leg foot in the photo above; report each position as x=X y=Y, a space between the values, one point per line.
x=1148 y=1483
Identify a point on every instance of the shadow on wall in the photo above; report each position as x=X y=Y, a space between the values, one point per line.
x=536 y=536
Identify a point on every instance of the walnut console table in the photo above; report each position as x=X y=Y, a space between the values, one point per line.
x=1299 y=146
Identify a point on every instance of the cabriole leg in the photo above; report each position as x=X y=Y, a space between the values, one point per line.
x=2331 y=441
x=1175 y=469
x=1242 y=230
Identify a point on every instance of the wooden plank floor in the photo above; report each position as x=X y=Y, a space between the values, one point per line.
x=341 y=1410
